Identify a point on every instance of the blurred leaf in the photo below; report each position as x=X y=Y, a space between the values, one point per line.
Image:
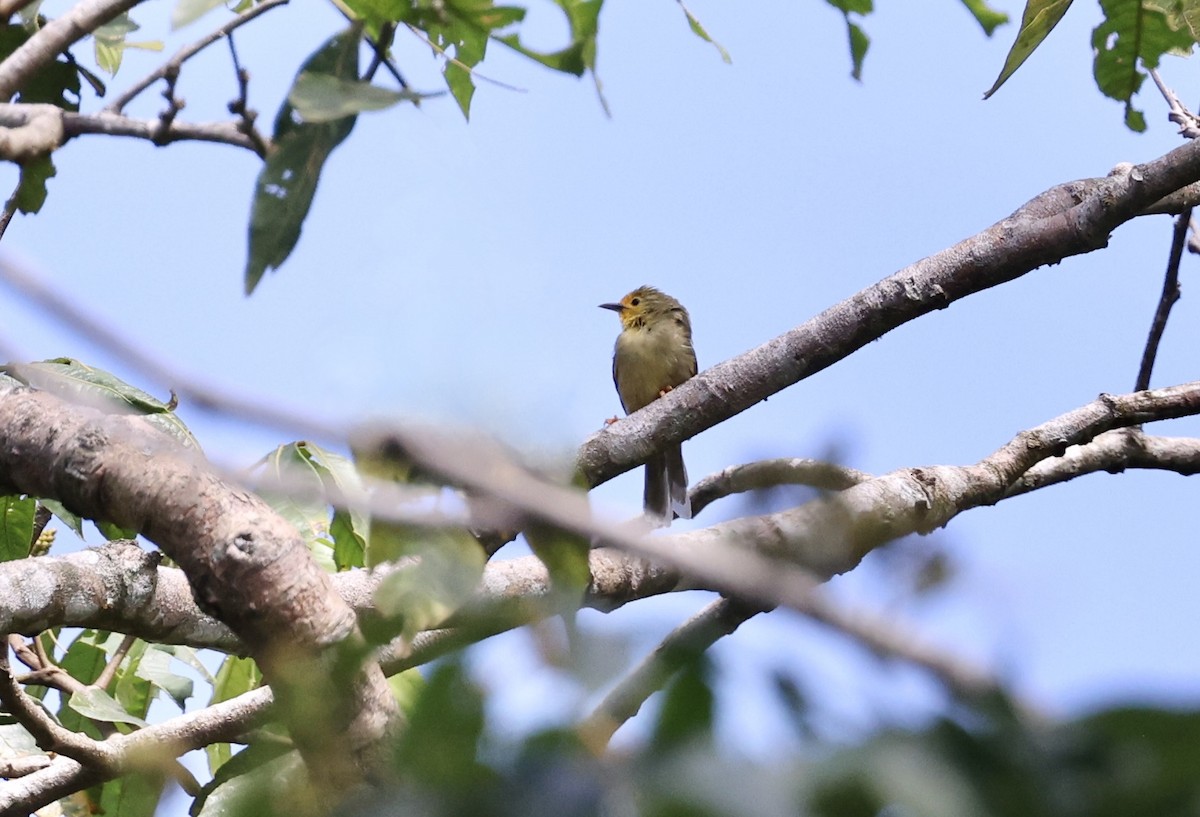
x=699 y=31
x=248 y=784
x=133 y=795
x=287 y=183
x=439 y=748
x=988 y=18
x=99 y=705
x=1133 y=31
x=295 y=490
x=323 y=98
x=565 y=556
x=859 y=41
x=79 y=383
x=351 y=524
x=16 y=526
x=1039 y=19
x=687 y=708
x=55 y=83
x=31 y=192
x=407 y=687
x=449 y=564
x=580 y=53
x=110 y=42
x=189 y=11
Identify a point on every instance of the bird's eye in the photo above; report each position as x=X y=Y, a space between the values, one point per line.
x=635 y=302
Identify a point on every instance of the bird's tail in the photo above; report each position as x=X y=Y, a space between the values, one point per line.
x=666 y=494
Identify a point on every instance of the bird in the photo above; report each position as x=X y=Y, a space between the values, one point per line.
x=654 y=354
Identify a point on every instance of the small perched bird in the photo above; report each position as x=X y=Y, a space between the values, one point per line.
x=653 y=355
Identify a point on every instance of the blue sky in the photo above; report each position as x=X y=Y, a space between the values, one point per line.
x=452 y=271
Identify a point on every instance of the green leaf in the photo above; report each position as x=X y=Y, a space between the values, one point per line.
x=440 y=746
x=987 y=17
x=565 y=556
x=77 y=382
x=110 y=41
x=189 y=11
x=132 y=795
x=448 y=567
x=859 y=43
x=235 y=676
x=31 y=192
x=687 y=710
x=132 y=692
x=113 y=532
x=155 y=667
x=100 y=706
x=1039 y=19
x=16 y=526
x=1131 y=32
x=287 y=183
x=72 y=520
x=699 y=31
x=351 y=523
x=580 y=53
x=323 y=98
x=295 y=489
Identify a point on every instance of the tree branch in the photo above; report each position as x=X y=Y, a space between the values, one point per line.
x=184 y=54
x=1170 y=294
x=1067 y=220
x=55 y=37
x=244 y=563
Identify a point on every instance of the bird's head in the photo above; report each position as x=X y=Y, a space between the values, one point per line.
x=642 y=303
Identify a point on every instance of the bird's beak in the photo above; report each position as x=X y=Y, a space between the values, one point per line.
x=613 y=307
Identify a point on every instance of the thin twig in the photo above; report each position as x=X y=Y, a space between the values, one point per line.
x=200 y=395
x=421 y=35
x=1189 y=123
x=1170 y=294
x=10 y=209
x=110 y=669
x=187 y=52
x=50 y=736
x=241 y=106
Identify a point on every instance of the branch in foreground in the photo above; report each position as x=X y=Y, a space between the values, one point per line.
x=691 y=638
x=244 y=563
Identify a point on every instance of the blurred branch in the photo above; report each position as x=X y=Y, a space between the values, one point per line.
x=1170 y=294
x=171 y=67
x=623 y=702
x=44 y=46
x=244 y=563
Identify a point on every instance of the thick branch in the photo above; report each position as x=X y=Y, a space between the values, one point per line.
x=1067 y=220
x=245 y=564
